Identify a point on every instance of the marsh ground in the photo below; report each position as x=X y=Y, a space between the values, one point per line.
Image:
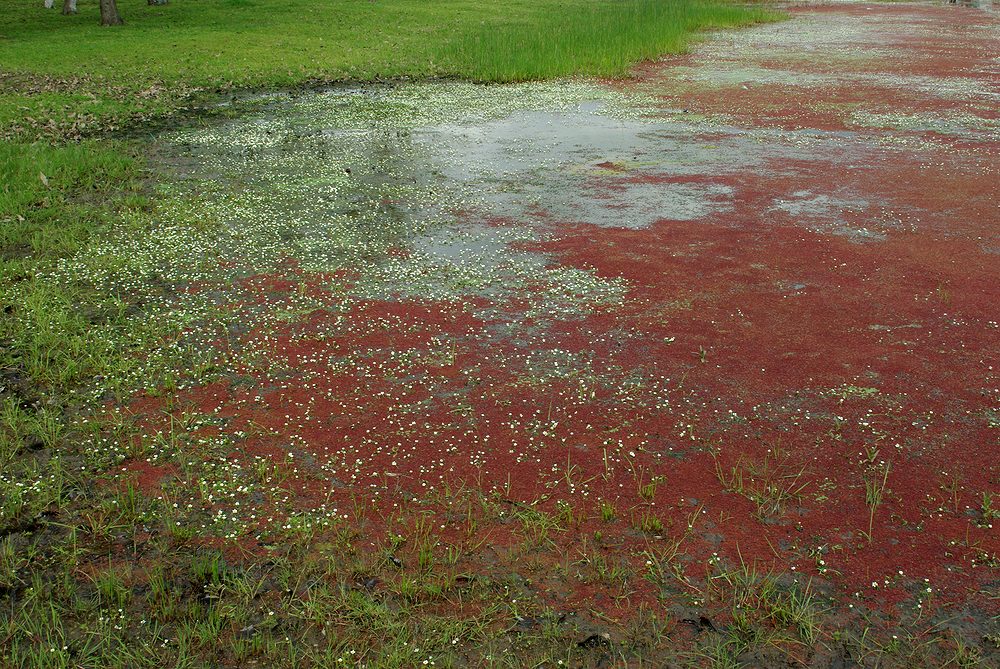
x=695 y=369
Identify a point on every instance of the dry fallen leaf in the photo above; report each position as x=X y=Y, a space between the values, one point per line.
x=44 y=179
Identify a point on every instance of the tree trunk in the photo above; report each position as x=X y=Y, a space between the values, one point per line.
x=109 y=14
x=69 y=6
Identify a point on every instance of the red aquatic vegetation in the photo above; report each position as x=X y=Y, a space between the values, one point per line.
x=768 y=370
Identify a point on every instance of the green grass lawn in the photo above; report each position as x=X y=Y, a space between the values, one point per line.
x=54 y=66
x=269 y=42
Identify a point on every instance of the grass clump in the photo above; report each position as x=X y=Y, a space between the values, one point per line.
x=595 y=38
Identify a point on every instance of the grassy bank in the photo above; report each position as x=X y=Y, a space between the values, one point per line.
x=601 y=39
x=268 y=42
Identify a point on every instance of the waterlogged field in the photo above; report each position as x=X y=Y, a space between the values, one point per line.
x=696 y=370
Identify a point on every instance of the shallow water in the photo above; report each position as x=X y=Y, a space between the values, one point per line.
x=344 y=175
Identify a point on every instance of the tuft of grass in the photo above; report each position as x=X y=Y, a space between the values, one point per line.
x=607 y=512
x=647 y=522
x=876 y=479
x=603 y=39
x=771 y=484
x=766 y=614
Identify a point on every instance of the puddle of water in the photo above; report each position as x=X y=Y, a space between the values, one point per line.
x=828 y=213
x=405 y=187
x=341 y=177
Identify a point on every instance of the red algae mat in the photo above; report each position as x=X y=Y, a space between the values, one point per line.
x=758 y=331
